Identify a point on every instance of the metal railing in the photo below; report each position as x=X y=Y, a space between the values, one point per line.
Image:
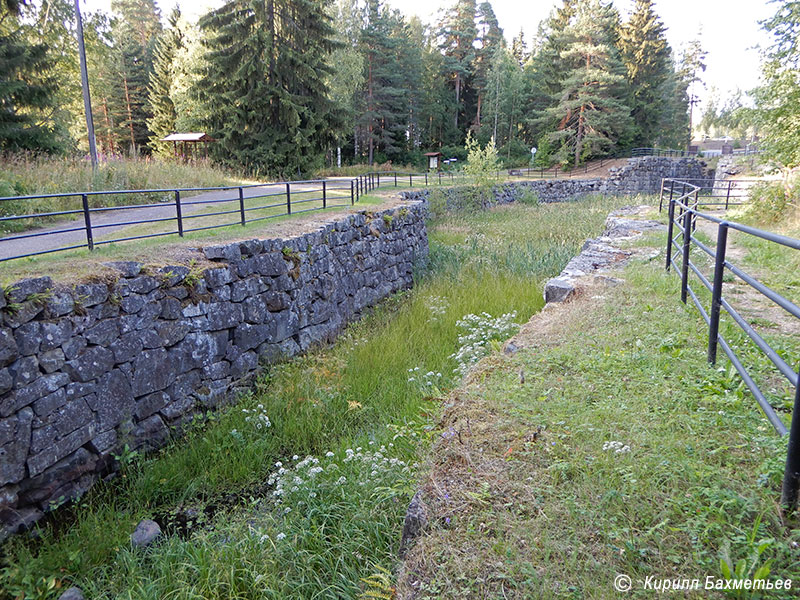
x=711 y=192
x=87 y=220
x=669 y=152
x=684 y=213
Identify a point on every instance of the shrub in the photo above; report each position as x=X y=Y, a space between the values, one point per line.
x=771 y=201
x=482 y=163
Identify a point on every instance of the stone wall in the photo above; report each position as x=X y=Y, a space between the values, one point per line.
x=90 y=368
x=640 y=176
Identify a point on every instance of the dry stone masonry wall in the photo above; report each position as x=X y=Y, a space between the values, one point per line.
x=640 y=176
x=88 y=369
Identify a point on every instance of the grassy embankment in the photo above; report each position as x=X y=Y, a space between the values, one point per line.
x=374 y=391
x=608 y=446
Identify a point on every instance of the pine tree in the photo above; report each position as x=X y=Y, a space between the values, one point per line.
x=692 y=65
x=263 y=90
x=385 y=94
x=592 y=116
x=646 y=55
x=457 y=35
x=519 y=49
x=162 y=121
x=26 y=90
x=346 y=79
x=135 y=33
x=490 y=36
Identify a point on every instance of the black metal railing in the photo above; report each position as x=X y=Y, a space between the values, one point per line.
x=668 y=152
x=43 y=224
x=709 y=192
x=683 y=210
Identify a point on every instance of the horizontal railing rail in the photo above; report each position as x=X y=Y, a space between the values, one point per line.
x=683 y=215
x=89 y=219
x=709 y=191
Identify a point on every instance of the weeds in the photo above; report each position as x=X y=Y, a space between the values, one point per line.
x=354 y=396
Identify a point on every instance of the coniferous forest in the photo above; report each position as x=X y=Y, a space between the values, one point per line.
x=289 y=86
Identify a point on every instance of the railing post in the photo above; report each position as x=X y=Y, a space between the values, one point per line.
x=352 y=192
x=661 y=196
x=728 y=197
x=88 y=221
x=696 y=206
x=179 y=212
x=716 y=292
x=410 y=181
x=670 y=231
x=379 y=180
x=395 y=179
x=791 y=474
x=241 y=206
x=324 y=195
x=288 y=199
x=687 y=243
x=426 y=179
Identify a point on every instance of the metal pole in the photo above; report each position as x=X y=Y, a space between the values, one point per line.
x=241 y=205
x=687 y=241
x=88 y=221
x=728 y=197
x=87 y=101
x=379 y=180
x=791 y=474
x=179 y=212
x=352 y=192
x=426 y=180
x=410 y=182
x=670 y=229
x=324 y=196
x=288 y=199
x=661 y=196
x=716 y=292
x=395 y=180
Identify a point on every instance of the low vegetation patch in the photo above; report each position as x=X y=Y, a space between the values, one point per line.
x=301 y=488
x=606 y=446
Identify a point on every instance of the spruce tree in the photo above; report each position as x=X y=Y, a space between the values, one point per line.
x=592 y=116
x=646 y=55
x=162 y=107
x=263 y=90
x=26 y=90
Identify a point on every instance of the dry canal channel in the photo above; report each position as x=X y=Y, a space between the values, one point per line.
x=299 y=489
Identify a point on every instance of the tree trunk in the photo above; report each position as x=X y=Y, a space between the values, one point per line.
x=371 y=108
x=579 y=139
x=458 y=96
x=130 y=114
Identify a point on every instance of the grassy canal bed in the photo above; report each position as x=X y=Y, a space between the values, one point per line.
x=299 y=489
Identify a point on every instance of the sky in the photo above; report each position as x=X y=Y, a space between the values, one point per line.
x=729 y=31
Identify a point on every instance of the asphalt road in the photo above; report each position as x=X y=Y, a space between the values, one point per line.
x=106 y=224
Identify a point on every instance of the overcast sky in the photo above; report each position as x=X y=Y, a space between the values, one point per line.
x=730 y=30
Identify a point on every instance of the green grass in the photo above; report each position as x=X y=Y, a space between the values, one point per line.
x=27 y=175
x=73 y=264
x=545 y=511
x=354 y=394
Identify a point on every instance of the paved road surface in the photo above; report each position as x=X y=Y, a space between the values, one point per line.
x=15 y=247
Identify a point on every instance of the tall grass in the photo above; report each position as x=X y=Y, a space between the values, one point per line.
x=33 y=175
x=359 y=395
